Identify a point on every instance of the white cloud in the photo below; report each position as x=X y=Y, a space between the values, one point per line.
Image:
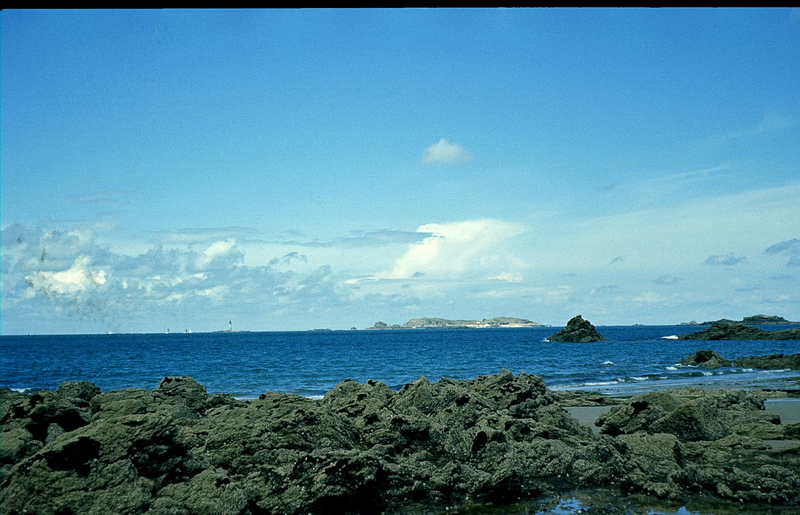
x=508 y=277
x=64 y=277
x=77 y=278
x=546 y=269
x=445 y=152
x=224 y=251
x=459 y=250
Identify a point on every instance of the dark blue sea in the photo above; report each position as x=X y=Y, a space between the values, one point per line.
x=247 y=364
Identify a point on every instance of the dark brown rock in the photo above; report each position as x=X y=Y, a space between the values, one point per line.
x=723 y=330
x=577 y=330
x=773 y=361
x=707 y=359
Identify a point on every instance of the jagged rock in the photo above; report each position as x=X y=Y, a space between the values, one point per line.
x=83 y=390
x=774 y=361
x=108 y=466
x=707 y=359
x=765 y=320
x=637 y=414
x=15 y=445
x=366 y=448
x=692 y=421
x=577 y=398
x=130 y=401
x=654 y=464
x=577 y=330
x=724 y=330
x=184 y=394
x=207 y=492
x=707 y=415
x=37 y=412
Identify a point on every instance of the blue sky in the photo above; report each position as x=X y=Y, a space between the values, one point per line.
x=298 y=169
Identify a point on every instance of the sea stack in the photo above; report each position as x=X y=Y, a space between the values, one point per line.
x=577 y=330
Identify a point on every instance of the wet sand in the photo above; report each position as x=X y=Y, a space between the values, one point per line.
x=586 y=415
x=787 y=409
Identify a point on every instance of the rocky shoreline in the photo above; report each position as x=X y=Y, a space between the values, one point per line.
x=365 y=448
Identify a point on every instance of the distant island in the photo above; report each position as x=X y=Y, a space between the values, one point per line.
x=443 y=323
x=752 y=320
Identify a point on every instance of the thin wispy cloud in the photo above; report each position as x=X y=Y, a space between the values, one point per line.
x=204 y=234
x=694 y=175
x=769 y=123
x=360 y=239
x=444 y=152
x=667 y=280
x=727 y=260
x=104 y=198
x=789 y=248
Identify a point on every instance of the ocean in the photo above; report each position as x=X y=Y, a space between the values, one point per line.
x=246 y=364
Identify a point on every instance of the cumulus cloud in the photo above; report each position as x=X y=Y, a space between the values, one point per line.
x=445 y=152
x=77 y=278
x=219 y=253
x=49 y=274
x=729 y=260
x=458 y=250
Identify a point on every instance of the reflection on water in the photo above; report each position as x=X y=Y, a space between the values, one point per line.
x=609 y=502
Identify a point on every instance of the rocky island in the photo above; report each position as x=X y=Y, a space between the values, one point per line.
x=577 y=330
x=444 y=323
x=365 y=448
x=722 y=330
x=751 y=320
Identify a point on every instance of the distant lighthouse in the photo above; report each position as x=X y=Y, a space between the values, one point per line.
x=230 y=326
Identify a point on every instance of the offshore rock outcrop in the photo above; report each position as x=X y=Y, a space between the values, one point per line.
x=712 y=359
x=773 y=361
x=577 y=330
x=707 y=359
x=365 y=448
x=751 y=320
x=722 y=330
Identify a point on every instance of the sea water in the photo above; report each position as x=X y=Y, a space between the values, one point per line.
x=634 y=359
x=246 y=364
